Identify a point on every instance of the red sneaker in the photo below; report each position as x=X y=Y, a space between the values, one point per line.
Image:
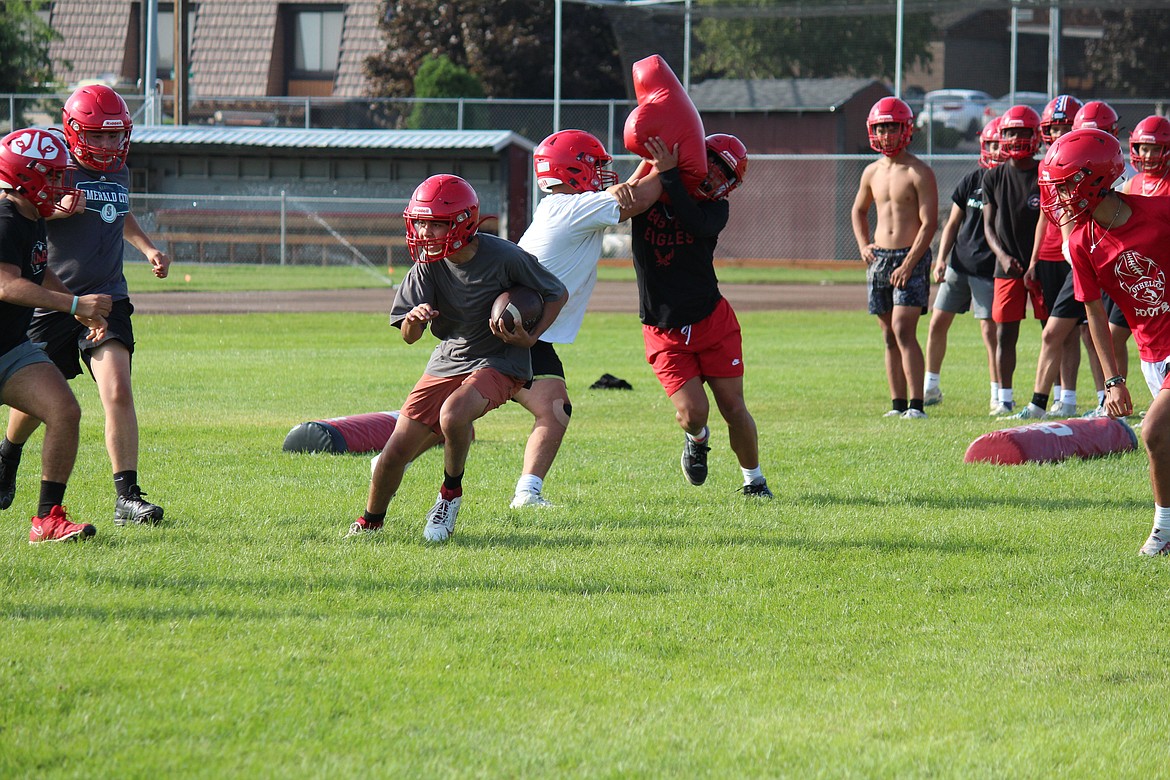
x=362 y=526
x=56 y=527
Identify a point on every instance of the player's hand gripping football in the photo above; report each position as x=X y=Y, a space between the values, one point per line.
x=518 y=336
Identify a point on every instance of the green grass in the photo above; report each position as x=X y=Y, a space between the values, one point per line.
x=893 y=613
x=192 y=277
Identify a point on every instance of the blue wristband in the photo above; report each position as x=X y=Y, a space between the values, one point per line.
x=73 y=308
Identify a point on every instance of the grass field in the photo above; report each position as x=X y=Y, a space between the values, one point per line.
x=893 y=613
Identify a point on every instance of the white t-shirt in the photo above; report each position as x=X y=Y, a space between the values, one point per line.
x=565 y=235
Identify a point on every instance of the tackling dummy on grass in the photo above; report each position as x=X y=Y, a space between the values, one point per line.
x=1049 y=442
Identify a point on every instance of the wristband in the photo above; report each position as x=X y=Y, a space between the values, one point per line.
x=1114 y=381
x=73 y=308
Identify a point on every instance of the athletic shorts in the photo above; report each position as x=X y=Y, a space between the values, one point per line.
x=1157 y=375
x=1116 y=315
x=712 y=347
x=960 y=293
x=21 y=356
x=65 y=338
x=546 y=364
x=430 y=393
x=1051 y=276
x=1066 y=306
x=883 y=296
x=1011 y=301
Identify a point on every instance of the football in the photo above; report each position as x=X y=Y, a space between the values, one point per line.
x=517 y=303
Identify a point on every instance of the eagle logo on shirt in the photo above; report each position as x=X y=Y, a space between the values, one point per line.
x=664 y=258
x=1140 y=277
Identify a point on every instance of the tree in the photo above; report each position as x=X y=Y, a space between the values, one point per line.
x=438 y=77
x=24 y=47
x=1126 y=57
x=506 y=44
x=814 y=46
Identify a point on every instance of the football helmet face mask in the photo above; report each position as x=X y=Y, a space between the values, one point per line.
x=33 y=163
x=575 y=158
x=989 y=140
x=727 y=163
x=1019 y=130
x=1153 y=131
x=97 y=128
x=1096 y=114
x=440 y=200
x=890 y=111
x=1077 y=173
x=1060 y=112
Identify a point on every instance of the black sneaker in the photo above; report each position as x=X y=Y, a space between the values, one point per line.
x=133 y=508
x=7 y=482
x=694 y=461
x=757 y=490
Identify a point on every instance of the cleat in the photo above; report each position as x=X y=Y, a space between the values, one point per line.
x=1030 y=412
x=361 y=526
x=757 y=490
x=57 y=527
x=694 y=460
x=441 y=519
x=1095 y=413
x=1061 y=409
x=1003 y=410
x=529 y=498
x=932 y=397
x=133 y=508
x=893 y=413
x=1157 y=544
x=913 y=414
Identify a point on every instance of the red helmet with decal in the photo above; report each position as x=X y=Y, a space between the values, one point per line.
x=1060 y=112
x=575 y=158
x=442 y=198
x=1015 y=143
x=97 y=109
x=1096 y=114
x=1151 y=131
x=989 y=141
x=890 y=110
x=32 y=163
x=1077 y=173
x=727 y=162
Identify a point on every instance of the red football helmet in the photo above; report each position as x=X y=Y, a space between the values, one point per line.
x=890 y=110
x=989 y=141
x=572 y=157
x=1019 y=146
x=1096 y=114
x=727 y=163
x=33 y=162
x=1151 y=131
x=93 y=109
x=1060 y=111
x=441 y=198
x=1077 y=173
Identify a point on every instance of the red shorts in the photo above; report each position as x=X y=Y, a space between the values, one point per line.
x=712 y=347
x=1011 y=299
x=430 y=393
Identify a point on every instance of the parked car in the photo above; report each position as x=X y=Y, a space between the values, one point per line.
x=959 y=109
x=1037 y=100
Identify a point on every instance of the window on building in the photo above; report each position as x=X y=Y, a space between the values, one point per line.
x=316 y=43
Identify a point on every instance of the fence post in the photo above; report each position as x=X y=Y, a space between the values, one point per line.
x=308 y=110
x=12 y=113
x=459 y=120
x=283 y=226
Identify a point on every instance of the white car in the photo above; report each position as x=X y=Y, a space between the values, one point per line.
x=1037 y=100
x=959 y=109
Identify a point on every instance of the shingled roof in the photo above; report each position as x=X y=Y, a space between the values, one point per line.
x=776 y=94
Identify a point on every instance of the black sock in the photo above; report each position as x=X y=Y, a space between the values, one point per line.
x=899 y=404
x=11 y=452
x=453 y=484
x=374 y=517
x=52 y=494
x=916 y=403
x=1040 y=399
x=125 y=482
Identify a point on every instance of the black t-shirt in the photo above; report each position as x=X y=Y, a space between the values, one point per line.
x=1015 y=193
x=23 y=244
x=972 y=255
x=674 y=250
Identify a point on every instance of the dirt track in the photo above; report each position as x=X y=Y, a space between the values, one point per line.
x=608 y=297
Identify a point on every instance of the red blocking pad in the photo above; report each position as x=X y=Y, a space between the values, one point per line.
x=1049 y=442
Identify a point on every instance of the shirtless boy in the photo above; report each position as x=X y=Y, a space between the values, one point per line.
x=904 y=191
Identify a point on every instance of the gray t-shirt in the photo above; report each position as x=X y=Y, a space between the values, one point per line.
x=86 y=250
x=463 y=295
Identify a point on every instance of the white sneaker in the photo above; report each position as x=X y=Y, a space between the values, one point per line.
x=529 y=498
x=932 y=397
x=893 y=413
x=913 y=414
x=992 y=406
x=1030 y=412
x=1061 y=409
x=441 y=519
x=1095 y=413
x=1157 y=544
x=1003 y=410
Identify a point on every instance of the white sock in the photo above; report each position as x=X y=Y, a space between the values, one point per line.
x=1162 y=517
x=702 y=437
x=995 y=391
x=931 y=381
x=1056 y=393
x=529 y=483
x=1100 y=398
x=1005 y=396
x=1068 y=398
x=752 y=476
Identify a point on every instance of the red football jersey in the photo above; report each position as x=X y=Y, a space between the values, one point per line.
x=1131 y=262
x=1051 y=243
x=1149 y=186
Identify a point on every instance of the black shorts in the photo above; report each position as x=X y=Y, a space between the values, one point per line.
x=65 y=338
x=1051 y=276
x=1066 y=306
x=1116 y=315
x=545 y=362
